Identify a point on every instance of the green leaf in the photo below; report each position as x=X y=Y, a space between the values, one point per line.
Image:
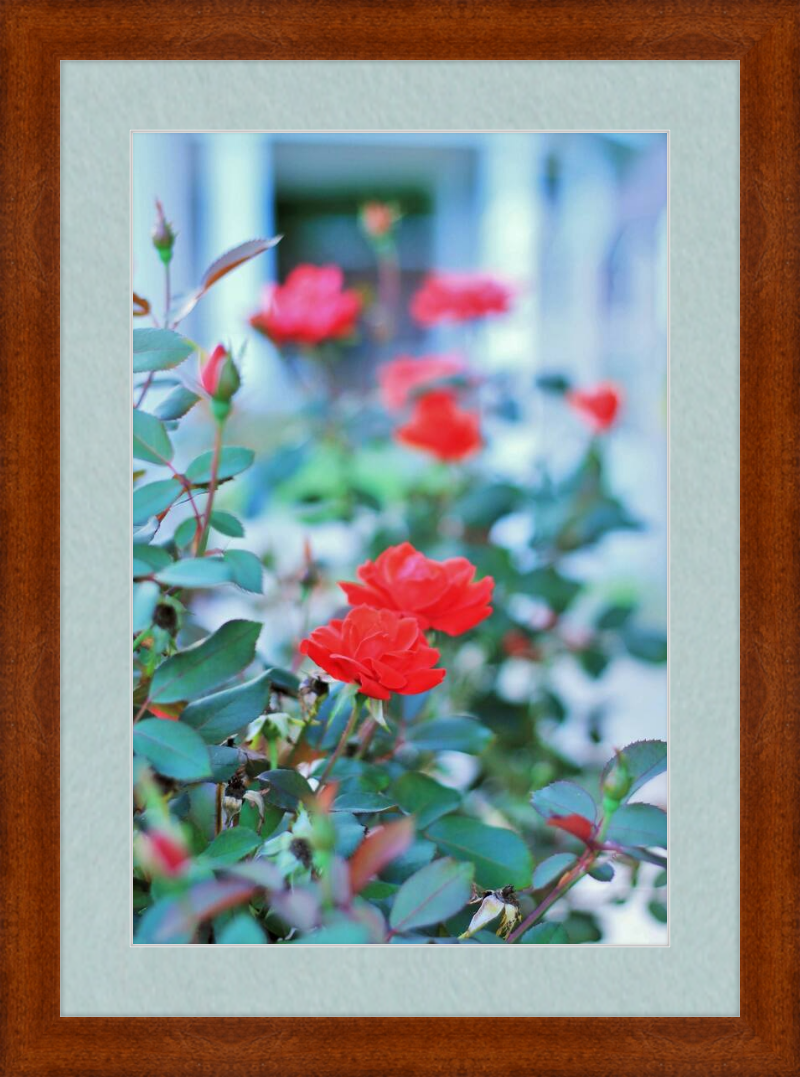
x=175 y=919
x=153 y=499
x=418 y=854
x=227 y=524
x=177 y=404
x=172 y=748
x=232 y=845
x=154 y=557
x=564 y=798
x=423 y=797
x=225 y=713
x=359 y=801
x=457 y=734
x=500 y=856
x=225 y=761
x=604 y=873
x=435 y=893
x=644 y=759
x=145 y=599
x=185 y=532
x=208 y=664
x=196 y=572
x=283 y=680
x=614 y=616
x=150 y=440
x=246 y=570
x=159 y=349
x=556 y=590
x=658 y=910
x=638 y=824
x=551 y=869
x=646 y=645
x=284 y=788
x=548 y=933
x=232 y=460
x=349 y=833
x=241 y=930
x=350 y=933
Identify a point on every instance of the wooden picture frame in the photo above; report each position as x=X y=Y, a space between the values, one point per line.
x=764 y=36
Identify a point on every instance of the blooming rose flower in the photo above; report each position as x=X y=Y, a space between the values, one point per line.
x=311 y=307
x=459 y=297
x=402 y=377
x=440 y=594
x=378 y=650
x=439 y=426
x=212 y=368
x=598 y=407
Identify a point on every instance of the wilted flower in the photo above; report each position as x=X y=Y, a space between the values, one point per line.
x=378 y=650
x=439 y=426
x=598 y=407
x=401 y=378
x=311 y=307
x=459 y=297
x=439 y=594
x=495 y=903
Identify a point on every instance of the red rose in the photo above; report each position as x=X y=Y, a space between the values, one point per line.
x=379 y=218
x=439 y=426
x=400 y=378
x=211 y=369
x=459 y=297
x=440 y=594
x=311 y=307
x=598 y=407
x=378 y=650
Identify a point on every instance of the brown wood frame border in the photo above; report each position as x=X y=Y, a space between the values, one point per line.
x=764 y=35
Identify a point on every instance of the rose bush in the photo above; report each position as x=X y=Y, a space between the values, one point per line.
x=308 y=772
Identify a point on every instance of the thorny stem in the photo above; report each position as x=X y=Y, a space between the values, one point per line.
x=202 y=538
x=145 y=387
x=348 y=729
x=566 y=883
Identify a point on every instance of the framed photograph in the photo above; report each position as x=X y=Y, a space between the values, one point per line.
x=429 y=389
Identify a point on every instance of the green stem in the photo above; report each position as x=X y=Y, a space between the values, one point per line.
x=348 y=729
x=142 y=636
x=567 y=882
x=202 y=540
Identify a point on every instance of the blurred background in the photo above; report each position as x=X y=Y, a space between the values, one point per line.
x=577 y=224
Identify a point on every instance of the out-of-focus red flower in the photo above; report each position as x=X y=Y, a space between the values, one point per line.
x=402 y=377
x=378 y=650
x=212 y=368
x=311 y=307
x=439 y=426
x=459 y=297
x=440 y=594
x=516 y=644
x=162 y=853
x=378 y=218
x=598 y=407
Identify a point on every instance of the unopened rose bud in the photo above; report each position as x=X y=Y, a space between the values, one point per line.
x=616 y=782
x=162 y=853
x=163 y=235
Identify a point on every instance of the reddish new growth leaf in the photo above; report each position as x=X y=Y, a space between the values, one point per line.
x=576 y=825
x=380 y=848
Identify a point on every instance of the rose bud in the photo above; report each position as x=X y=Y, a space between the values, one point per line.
x=598 y=407
x=616 y=782
x=163 y=235
x=378 y=219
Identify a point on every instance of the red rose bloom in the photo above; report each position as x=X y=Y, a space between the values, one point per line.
x=211 y=369
x=163 y=854
x=439 y=426
x=440 y=594
x=311 y=307
x=598 y=407
x=459 y=297
x=402 y=377
x=378 y=650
